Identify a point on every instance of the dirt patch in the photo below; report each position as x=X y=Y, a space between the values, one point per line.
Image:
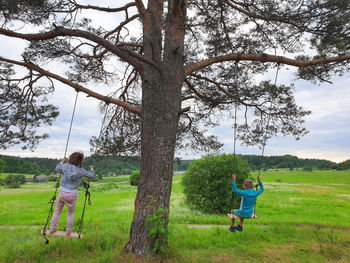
x=315 y=190
x=321 y=226
x=225 y=258
x=14 y=227
x=207 y=226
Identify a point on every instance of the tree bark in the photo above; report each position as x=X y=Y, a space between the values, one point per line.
x=161 y=105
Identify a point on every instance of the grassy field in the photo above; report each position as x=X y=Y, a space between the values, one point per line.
x=4 y=175
x=303 y=217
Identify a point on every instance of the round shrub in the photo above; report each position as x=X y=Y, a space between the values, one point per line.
x=207 y=183
x=308 y=169
x=52 y=178
x=13 y=185
x=14 y=180
x=134 y=177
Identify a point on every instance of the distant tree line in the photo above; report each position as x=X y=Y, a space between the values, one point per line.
x=120 y=165
x=23 y=165
x=103 y=165
x=286 y=161
x=344 y=165
x=126 y=165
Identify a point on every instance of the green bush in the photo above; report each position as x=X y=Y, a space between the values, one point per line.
x=134 y=177
x=52 y=178
x=308 y=169
x=105 y=187
x=207 y=183
x=13 y=185
x=99 y=176
x=158 y=231
x=14 y=180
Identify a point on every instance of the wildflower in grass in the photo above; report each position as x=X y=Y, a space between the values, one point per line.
x=91 y=246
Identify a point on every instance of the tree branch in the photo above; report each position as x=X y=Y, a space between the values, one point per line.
x=142 y=11
x=263 y=58
x=255 y=16
x=70 y=83
x=204 y=97
x=131 y=57
x=105 y=9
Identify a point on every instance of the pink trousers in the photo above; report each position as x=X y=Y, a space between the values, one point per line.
x=70 y=200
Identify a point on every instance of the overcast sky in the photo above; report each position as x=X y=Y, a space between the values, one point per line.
x=329 y=123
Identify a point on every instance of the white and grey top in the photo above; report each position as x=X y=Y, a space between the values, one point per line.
x=71 y=176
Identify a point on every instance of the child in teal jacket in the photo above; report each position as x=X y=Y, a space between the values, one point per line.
x=249 y=196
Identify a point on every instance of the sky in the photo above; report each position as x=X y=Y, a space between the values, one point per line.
x=328 y=125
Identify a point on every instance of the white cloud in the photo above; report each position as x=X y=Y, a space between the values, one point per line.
x=329 y=123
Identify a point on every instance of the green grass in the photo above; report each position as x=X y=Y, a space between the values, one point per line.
x=4 y=175
x=303 y=217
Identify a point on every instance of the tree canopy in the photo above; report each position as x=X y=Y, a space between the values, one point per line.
x=227 y=43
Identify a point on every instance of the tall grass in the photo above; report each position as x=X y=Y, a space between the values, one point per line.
x=303 y=217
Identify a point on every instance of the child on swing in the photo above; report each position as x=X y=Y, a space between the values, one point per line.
x=246 y=209
x=71 y=180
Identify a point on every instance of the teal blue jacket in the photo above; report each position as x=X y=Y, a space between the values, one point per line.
x=248 y=197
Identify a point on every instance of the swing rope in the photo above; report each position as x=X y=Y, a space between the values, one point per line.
x=235 y=134
x=53 y=199
x=265 y=135
x=268 y=122
x=86 y=184
x=87 y=196
x=234 y=142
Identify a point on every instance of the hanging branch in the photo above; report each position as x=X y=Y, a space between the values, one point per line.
x=125 y=54
x=74 y=85
x=189 y=69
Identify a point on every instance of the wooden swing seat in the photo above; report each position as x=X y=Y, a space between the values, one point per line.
x=62 y=234
x=231 y=216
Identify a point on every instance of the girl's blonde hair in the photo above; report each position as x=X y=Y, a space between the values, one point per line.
x=76 y=159
x=248 y=184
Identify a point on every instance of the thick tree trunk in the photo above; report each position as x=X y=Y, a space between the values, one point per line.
x=161 y=104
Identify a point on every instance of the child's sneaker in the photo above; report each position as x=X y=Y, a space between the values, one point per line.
x=239 y=228
x=232 y=229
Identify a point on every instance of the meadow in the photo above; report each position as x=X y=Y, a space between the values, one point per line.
x=303 y=217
